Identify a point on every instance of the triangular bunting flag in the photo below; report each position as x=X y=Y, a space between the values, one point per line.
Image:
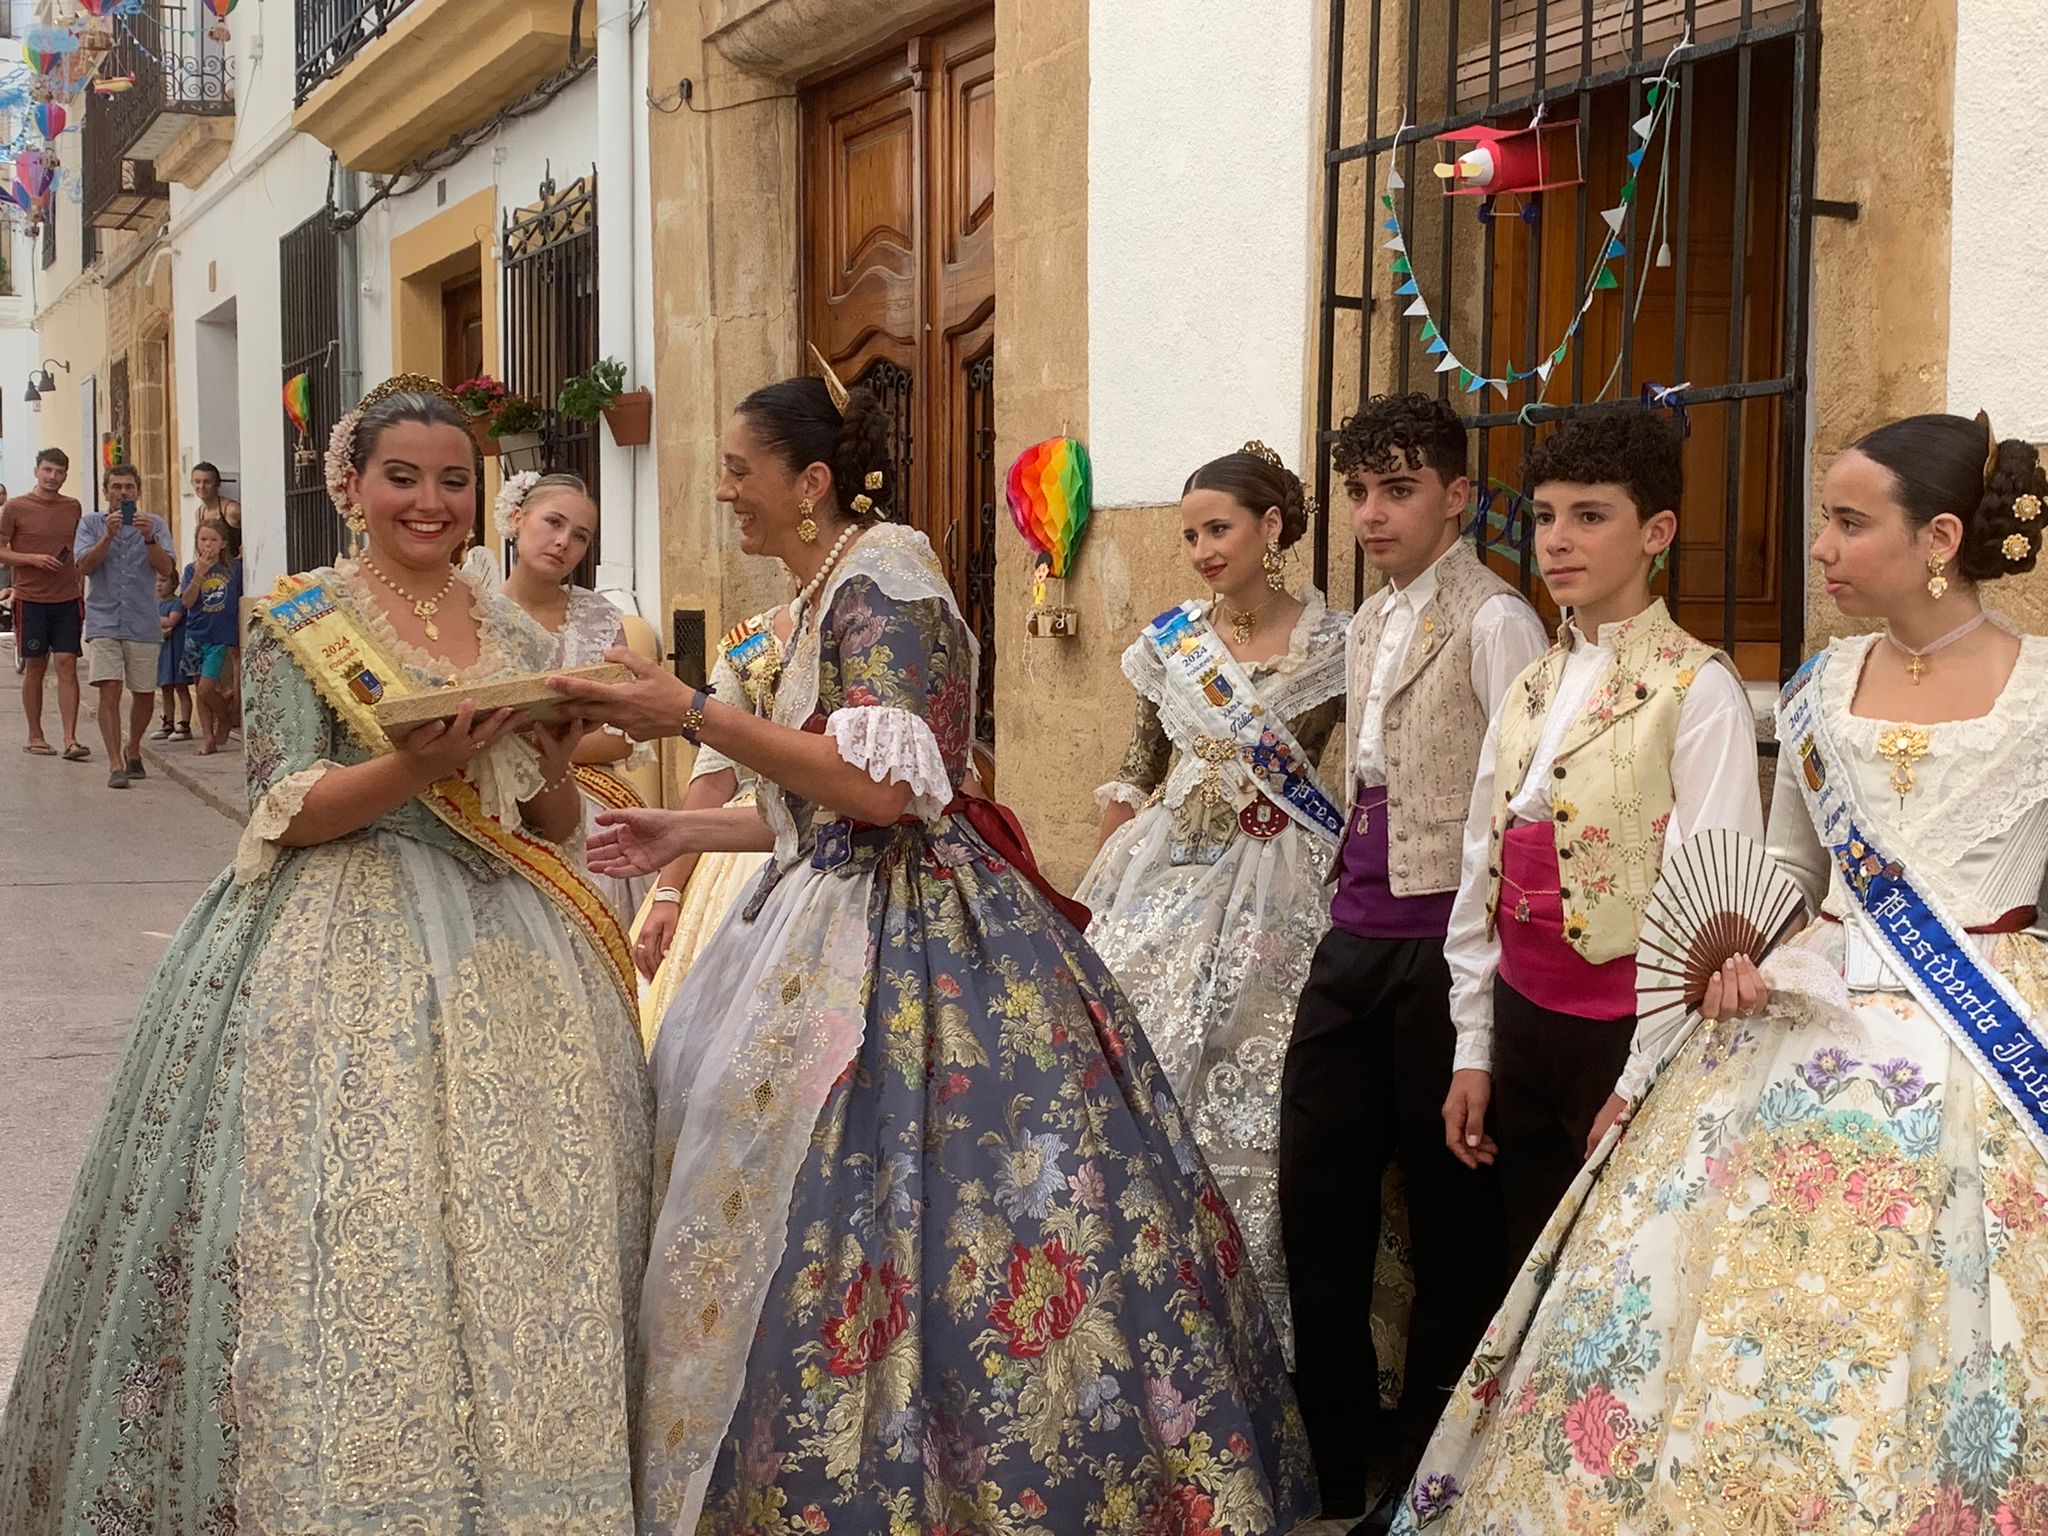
x=1655 y=94
x=1429 y=330
x=1419 y=307
x=1501 y=385
x=1628 y=191
x=1392 y=226
x=1386 y=201
x=1543 y=368
x=1437 y=347
x=1394 y=181
x=1606 y=280
x=1614 y=216
x=1406 y=289
x=1645 y=123
x=1615 y=251
x=1401 y=267
x=1395 y=244
x=1465 y=380
x=1635 y=158
x=1447 y=364
x=1558 y=356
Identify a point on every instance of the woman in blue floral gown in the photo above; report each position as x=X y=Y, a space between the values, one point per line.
x=935 y=1252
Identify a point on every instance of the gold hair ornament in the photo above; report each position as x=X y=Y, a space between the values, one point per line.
x=2016 y=546
x=1259 y=450
x=2026 y=508
x=1990 y=447
x=874 y=480
x=839 y=392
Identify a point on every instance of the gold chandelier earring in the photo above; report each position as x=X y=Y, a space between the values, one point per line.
x=1276 y=568
x=1936 y=582
x=807 y=525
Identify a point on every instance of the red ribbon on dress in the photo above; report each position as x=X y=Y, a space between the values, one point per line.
x=1000 y=829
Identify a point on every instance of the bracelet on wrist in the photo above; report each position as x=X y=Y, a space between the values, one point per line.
x=668 y=893
x=692 y=723
x=550 y=786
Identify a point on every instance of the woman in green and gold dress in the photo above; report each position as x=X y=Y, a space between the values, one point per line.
x=357 y=1245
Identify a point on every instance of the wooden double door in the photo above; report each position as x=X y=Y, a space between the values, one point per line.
x=898 y=281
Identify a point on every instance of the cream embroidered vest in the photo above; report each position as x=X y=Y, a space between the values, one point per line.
x=1610 y=794
x=1432 y=726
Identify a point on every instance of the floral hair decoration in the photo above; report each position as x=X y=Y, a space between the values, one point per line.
x=511 y=497
x=341 y=443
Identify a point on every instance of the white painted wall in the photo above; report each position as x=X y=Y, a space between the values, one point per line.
x=1201 y=160
x=1998 y=327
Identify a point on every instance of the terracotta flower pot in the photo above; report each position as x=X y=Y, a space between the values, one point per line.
x=480 y=429
x=631 y=418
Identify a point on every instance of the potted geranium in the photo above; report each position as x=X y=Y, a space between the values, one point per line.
x=602 y=392
x=480 y=398
x=517 y=426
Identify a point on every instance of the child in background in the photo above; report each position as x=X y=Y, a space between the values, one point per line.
x=212 y=600
x=173 y=681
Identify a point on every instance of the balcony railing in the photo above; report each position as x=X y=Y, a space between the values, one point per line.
x=331 y=32
x=182 y=72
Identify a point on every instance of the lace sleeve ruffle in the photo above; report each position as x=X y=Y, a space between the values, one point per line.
x=504 y=776
x=895 y=746
x=1117 y=792
x=1806 y=988
x=269 y=818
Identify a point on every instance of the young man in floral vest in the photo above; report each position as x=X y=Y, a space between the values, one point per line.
x=1429 y=656
x=1627 y=737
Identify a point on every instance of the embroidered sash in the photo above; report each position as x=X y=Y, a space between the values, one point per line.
x=1978 y=1009
x=607 y=789
x=351 y=675
x=1208 y=682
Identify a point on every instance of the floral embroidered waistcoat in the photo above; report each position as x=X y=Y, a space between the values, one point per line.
x=1610 y=793
x=1432 y=727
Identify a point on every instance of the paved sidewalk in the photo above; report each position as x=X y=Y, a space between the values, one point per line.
x=93 y=882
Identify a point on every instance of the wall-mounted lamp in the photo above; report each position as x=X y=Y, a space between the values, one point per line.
x=41 y=382
x=34 y=396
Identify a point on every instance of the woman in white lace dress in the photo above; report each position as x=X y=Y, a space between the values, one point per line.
x=1807 y=1291
x=1209 y=891
x=551 y=523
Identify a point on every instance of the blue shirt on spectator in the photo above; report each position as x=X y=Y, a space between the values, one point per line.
x=120 y=597
x=216 y=618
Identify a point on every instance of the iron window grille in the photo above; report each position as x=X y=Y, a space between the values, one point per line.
x=1439 y=66
x=309 y=276
x=549 y=262
x=981 y=556
x=331 y=32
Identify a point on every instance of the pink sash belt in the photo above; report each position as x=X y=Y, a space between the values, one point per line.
x=1535 y=959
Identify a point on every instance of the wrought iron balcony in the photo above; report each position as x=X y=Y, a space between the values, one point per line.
x=331 y=32
x=182 y=72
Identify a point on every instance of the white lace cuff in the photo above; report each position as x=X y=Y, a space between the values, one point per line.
x=1116 y=791
x=895 y=746
x=269 y=818
x=1799 y=975
x=504 y=776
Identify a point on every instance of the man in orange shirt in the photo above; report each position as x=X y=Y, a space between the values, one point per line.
x=36 y=533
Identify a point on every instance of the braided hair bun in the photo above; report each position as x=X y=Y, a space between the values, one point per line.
x=1255 y=479
x=862 y=455
x=1952 y=464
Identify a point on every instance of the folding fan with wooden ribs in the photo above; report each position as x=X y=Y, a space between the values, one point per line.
x=1719 y=896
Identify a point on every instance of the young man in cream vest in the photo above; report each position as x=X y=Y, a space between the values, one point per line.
x=1429 y=656
x=1623 y=740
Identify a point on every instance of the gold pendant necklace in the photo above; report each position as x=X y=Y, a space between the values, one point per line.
x=1244 y=621
x=423 y=608
x=1916 y=659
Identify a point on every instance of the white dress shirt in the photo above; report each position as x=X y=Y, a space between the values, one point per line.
x=1713 y=779
x=1506 y=637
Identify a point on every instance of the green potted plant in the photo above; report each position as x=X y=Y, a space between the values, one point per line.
x=480 y=398
x=602 y=392
x=517 y=425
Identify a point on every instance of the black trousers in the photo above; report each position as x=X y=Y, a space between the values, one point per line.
x=1552 y=1072
x=1366 y=1075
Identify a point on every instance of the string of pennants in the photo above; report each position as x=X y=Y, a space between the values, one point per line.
x=1659 y=98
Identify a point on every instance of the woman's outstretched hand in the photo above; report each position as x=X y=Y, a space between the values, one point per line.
x=1735 y=991
x=649 y=704
x=639 y=842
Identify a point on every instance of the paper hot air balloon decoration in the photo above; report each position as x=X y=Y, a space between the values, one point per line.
x=51 y=118
x=298 y=405
x=45 y=48
x=1051 y=490
x=219 y=11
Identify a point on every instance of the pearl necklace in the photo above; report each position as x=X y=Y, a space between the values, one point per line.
x=423 y=608
x=802 y=604
x=1916 y=660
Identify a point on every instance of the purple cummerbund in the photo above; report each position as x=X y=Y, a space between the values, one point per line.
x=1535 y=957
x=1365 y=903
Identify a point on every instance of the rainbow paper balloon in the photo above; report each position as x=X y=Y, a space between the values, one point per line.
x=1051 y=487
x=219 y=10
x=45 y=48
x=298 y=402
x=31 y=172
x=51 y=118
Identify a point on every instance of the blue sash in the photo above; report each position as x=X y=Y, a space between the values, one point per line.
x=1208 y=681
x=1978 y=1009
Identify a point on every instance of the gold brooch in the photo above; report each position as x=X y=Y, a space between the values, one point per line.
x=2016 y=547
x=2026 y=508
x=1902 y=746
x=1215 y=751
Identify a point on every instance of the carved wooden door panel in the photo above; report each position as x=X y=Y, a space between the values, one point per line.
x=898 y=267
